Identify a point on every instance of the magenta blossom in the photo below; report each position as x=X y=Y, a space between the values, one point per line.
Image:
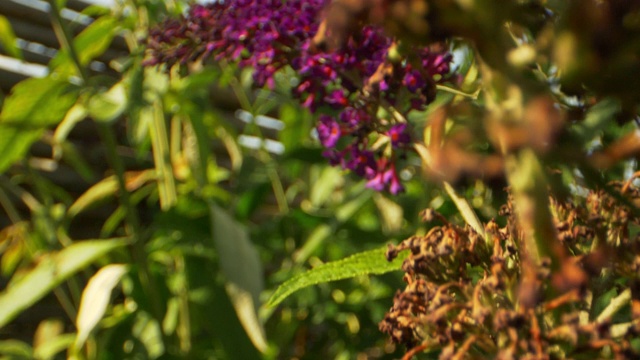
x=328 y=131
x=398 y=135
x=346 y=87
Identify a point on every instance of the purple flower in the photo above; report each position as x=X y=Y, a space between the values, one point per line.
x=271 y=35
x=413 y=81
x=384 y=177
x=395 y=187
x=337 y=99
x=398 y=135
x=360 y=161
x=354 y=118
x=328 y=131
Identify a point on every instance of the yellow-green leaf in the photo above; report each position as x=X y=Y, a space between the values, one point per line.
x=50 y=271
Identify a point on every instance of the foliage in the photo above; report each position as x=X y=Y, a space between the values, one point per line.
x=189 y=231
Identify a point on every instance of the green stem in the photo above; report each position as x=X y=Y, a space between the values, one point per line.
x=614 y=306
x=32 y=203
x=529 y=187
x=9 y=208
x=66 y=303
x=133 y=227
x=276 y=183
x=473 y=96
x=65 y=39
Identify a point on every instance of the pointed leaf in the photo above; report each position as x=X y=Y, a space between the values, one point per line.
x=242 y=268
x=92 y=42
x=51 y=270
x=33 y=105
x=77 y=113
x=95 y=299
x=95 y=38
x=371 y=262
x=161 y=154
x=465 y=209
x=101 y=190
x=38 y=102
x=8 y=38
x=15 y=349
x=53 y=346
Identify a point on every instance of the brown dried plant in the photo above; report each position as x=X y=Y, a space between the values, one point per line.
x=463 y=298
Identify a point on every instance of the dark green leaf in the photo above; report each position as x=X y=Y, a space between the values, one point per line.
x=598 y=118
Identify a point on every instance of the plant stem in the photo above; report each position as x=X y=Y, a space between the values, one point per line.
x=133 y=227
x=615 y=305
x=9 y=208
x=66 y=42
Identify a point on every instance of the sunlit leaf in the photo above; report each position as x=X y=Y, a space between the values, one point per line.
x=107 y=188
x=316 y=238
x=109 y=105
x=33 y=105
x=328 y=180
x=372 y=262
x=465 y=209
x=51 y=270
x=92 y=42
x=54 y=346
x=95 y=299
x=13 y=240
x=392 y=213
x=8 y=38
x=15 y=349
x=103 y=189
x=95 y=39
x=77 y=113
x=161 y=154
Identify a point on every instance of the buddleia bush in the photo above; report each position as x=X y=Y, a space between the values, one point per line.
x=514 y=122
x=537 y=99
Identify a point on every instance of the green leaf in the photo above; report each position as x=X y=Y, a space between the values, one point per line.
x=465 y=209
x=598 y=118
x=242 y=268
x=95 y=299
x=92 y=42
x=109 y=105
x=16 y=349
x=33 y=105
x=77 y=113
x=372 y=262
x=53 y=346
x=328 y=180
x=38 y=102
x=50 y=271
x=161 y=154
x=8 y=39
x=103 y=189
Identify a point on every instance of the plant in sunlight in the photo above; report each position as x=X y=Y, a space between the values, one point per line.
x=237 y=183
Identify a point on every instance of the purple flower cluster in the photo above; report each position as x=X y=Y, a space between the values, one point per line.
x=262 y=34
x=346 y=87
